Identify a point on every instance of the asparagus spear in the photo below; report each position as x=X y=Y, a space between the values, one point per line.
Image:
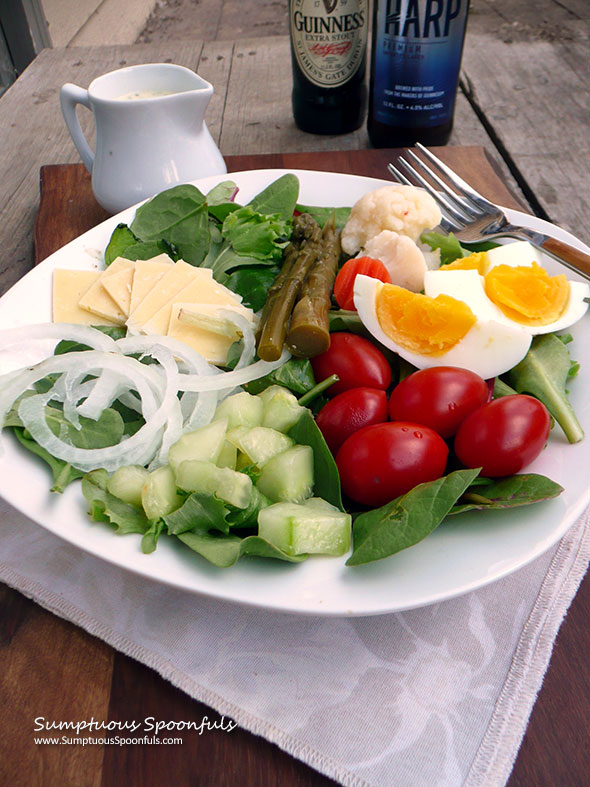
x=285 y=289
x=309 y=331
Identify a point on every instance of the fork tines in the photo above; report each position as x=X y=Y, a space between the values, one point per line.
x=458 y=208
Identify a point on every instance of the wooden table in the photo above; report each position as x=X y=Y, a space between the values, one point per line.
x=88 y=677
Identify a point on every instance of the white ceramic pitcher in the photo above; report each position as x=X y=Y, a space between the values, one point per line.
x=150 y=131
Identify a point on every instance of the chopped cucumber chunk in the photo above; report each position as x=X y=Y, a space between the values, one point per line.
x=234 y=488
x=288 y=476
x=259 y=443
x=241 y=409
x=204 y=443
x=313 y=527
x=127 y=482
x=281 y=408
x=159 y=495
x=228 y=456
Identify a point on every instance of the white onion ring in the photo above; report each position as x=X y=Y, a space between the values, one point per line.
x=178 y=393
x=189 y=382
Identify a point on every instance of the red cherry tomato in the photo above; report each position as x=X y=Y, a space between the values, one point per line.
x=503 y=436
x=380 y=462
x=350 y=411
x=344 y=283
x=356 y=361
x=441 y=398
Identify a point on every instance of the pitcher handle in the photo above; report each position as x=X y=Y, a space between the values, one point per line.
x=69 y=96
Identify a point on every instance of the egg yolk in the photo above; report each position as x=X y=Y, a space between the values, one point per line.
x=477 y=261
x=527 y=294
x=421 y=324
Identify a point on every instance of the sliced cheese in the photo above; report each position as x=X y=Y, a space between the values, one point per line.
x=98 y=301
x=203 y=289
x=68 y=287
x=118 y=286
x=147 y=273
x=174 y=281
x=212 y=344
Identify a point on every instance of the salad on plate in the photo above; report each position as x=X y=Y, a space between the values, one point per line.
x=282 y=380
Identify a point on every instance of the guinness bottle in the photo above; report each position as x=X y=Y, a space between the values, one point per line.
x=415 y=62
x=329 y=52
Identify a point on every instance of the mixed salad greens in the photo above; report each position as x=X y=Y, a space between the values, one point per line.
x=243 y=245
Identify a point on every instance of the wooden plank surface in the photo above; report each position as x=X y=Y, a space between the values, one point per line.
x=243 y=118
x=514 y=94
x=535 y=102
x=88 y=678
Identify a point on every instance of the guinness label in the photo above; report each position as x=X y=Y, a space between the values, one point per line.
x=329 y=38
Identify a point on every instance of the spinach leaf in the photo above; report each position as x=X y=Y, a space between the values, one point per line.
x=121 y=239
x=228 y=260
x=145 y=250
x=178 y=215
x=225 y=550
x=326 y=477
x=222 y=193
x=278 y=197
x=322 y=215
x=544 y=373
x=296 y=375
x=158 y=215
x=107 y=430
x=252 y=283
x=342 y=320
x=63 y=473
x=105 y=507
x=220 y=200
x=517 y=490
x=408 y=519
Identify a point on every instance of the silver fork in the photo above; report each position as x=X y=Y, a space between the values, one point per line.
x=472 y=217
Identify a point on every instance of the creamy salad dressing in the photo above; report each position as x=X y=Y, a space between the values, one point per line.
x=136 y=95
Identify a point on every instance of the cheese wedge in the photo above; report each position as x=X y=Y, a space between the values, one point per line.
x=98 y=301
x=203 y=328
x=176 y=279
x=118 y=286
x=203 y=289
x=68 y=287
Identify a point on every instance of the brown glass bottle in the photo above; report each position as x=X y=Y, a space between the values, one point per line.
x=415 y=61
x=328 y=53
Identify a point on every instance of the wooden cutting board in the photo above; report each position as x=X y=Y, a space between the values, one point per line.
x=68 y=207
x=78 y=676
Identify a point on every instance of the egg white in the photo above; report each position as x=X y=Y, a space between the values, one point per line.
x=468 y=286
x=489 y=348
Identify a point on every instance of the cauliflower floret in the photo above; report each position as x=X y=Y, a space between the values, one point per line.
x=402 y=258
x=403 y=209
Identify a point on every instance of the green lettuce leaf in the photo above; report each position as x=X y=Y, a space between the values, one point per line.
x=408 y=519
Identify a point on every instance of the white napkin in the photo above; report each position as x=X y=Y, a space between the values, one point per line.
x=434 y=696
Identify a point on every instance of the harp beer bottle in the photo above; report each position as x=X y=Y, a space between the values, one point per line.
x=329 y=53
x=415 y=60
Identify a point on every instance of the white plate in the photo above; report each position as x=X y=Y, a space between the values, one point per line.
x=466 y=552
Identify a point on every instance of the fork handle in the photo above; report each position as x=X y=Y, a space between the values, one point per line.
x=572 y=258
x=577 y=259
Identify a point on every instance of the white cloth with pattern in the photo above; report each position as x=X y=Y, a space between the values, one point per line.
x=433 y=696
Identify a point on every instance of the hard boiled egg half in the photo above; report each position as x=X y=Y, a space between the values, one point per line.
x=438 y=331
x=509 y=285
